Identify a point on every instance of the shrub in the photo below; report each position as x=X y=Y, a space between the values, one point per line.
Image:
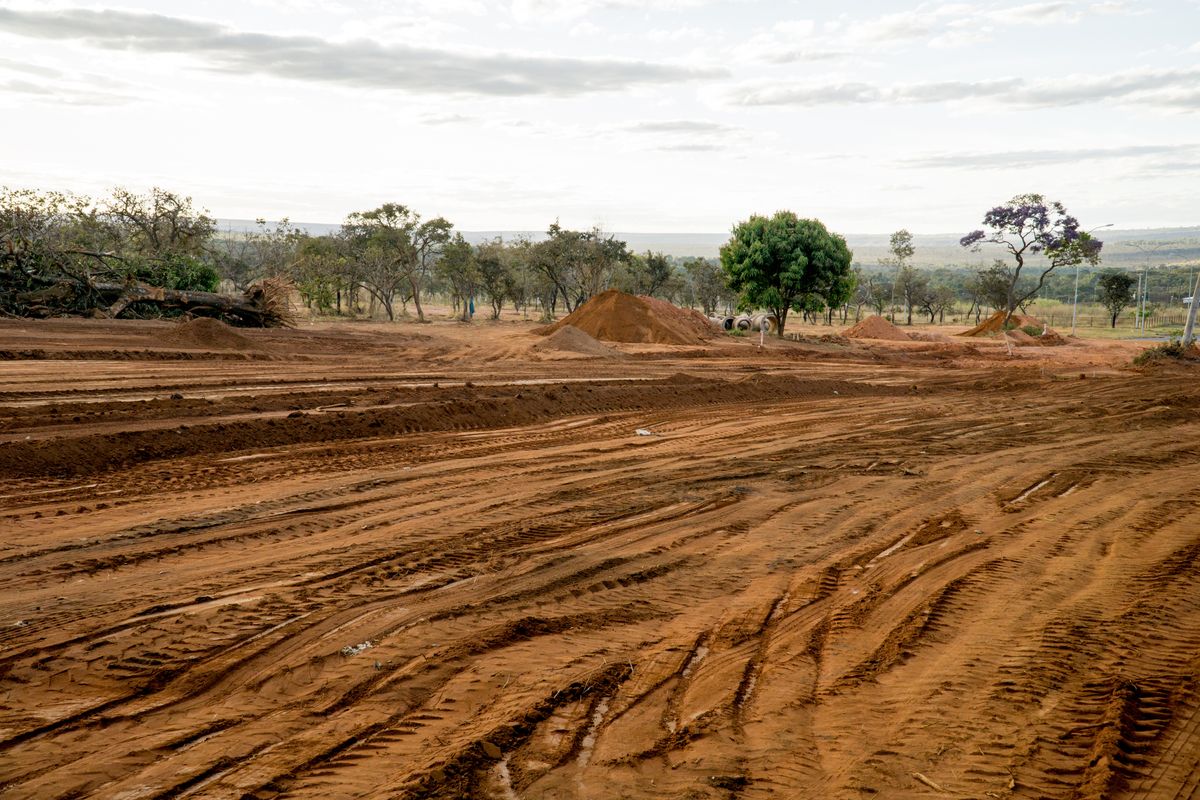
x=1032 y=330
x=1167 y=351
x=177 y=271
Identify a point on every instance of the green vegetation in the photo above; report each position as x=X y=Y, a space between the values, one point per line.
x=783 y=263
x=1029 y=226
x=1166 y=352
x=1116 y=292
x=382 y=261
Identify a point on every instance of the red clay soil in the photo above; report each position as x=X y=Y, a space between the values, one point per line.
x=995 y=324
x=848 y=572
x=203 y=332
x=1023 y=339
x=569 y=339
x=876 y=327
x=615 y=316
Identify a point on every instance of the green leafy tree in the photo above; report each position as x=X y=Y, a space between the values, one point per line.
x=778 y=262
x=992 y=284
x=706 y=283
x=497 y=279
x=578 y=264
x=874 y=291
x=396 y=251
x=1116 y=292
x=912 y=285
x=458 y=267
x=645 y=274
x=901 y=249
x=320 y=271
x=938 y=299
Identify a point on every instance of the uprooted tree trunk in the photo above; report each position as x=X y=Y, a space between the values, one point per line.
x=263 y=305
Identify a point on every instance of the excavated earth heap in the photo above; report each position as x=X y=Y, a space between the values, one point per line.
x=204 y=332
x=995 y=324
x=876 y=327
x=615 y=316
x=569 y=339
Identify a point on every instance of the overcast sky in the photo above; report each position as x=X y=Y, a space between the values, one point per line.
x=638 y=115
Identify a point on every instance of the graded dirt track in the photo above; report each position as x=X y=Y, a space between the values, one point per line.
x=375 y=561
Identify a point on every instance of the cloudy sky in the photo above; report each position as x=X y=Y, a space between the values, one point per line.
x=639 y=115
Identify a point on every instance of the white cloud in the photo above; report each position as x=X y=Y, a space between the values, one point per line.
x=1052 y=13
x=1014 y=159
x=551 y=10
x=364 y=64
x=679 y=34
x=679 y=126
x=1116 y=7
x=945 y=25
x=1175 y=89
x=585 y=29
x=63 y=94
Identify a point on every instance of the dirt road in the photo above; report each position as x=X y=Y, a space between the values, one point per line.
x=363 y=564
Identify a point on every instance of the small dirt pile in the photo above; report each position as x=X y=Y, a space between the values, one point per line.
x=569 y=339
x=1021 y=338
x=995 y=324
x=206 y=333
x=939 y=338
x=876 y=327
x=1046 y=336
x=614 y=316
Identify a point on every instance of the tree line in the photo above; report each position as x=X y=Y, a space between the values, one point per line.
x=388 y=259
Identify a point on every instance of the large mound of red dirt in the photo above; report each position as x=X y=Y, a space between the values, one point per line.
x=569 y=339
x=876 y=327
x=211 y=334
x=615 y=316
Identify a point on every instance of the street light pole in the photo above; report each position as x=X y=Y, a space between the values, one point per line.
x=1146 y=249
x=1137 y=300
x=1075 y=305
x=1191 y=320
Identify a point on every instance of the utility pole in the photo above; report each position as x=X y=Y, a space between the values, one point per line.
x=1191 y=320
x=1075 y=305
x=1136 y=301
x=1145 y=295
x=1147 y=249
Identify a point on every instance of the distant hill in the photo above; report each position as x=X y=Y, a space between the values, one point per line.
x=933 y=249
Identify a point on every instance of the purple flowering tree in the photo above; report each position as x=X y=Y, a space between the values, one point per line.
x=1027 y=226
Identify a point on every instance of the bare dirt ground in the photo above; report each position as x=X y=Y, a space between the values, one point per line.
x=436 y=561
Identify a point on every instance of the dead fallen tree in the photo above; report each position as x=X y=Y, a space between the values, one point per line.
x=130 y=255
x=263 y=305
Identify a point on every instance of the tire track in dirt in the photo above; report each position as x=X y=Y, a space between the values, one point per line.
x=795 y=596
